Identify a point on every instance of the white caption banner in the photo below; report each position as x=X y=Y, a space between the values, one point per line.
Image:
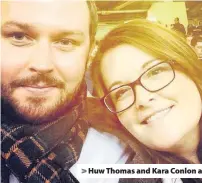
x=139 y=170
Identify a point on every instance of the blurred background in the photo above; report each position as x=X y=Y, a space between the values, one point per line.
x=112 y=13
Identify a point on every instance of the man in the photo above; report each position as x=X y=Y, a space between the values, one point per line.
x=177 y=26
x=196 y=42
x=45 y=48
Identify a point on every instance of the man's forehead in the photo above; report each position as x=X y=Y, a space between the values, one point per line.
x=73 y=15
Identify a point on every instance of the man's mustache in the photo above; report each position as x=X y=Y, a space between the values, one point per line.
x=47 y=80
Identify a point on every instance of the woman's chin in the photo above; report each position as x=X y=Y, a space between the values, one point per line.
x=163 y=144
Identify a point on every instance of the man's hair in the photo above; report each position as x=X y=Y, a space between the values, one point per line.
x=93 y=19
x=195 y=40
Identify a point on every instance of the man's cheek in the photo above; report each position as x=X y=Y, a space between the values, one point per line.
x=11 y=68
x=72 y=67
x=8 y=70
x=13 y=60
x=74 y=73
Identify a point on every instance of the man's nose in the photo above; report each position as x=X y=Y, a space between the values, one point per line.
x=143 y=98
x=41 y=60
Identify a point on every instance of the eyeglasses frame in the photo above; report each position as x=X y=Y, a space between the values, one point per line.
x=138 y=82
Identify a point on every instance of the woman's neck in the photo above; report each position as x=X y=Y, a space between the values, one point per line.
x=187 y=146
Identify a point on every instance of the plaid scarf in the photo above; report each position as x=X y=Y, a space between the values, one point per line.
x=43 y=153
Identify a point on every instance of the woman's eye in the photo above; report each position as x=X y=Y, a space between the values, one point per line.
x=155 y=72
x=120 y=94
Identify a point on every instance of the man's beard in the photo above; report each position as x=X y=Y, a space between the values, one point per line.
x=34 y=112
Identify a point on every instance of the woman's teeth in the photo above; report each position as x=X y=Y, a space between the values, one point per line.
x=158 y=115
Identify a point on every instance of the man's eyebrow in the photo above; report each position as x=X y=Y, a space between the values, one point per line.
x=30 y=28
x=63 y=33
x=23 y=26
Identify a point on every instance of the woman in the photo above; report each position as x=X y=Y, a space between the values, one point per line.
x=151 y=80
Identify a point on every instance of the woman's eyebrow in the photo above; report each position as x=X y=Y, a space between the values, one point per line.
x=114 y=84
x=117 y=83
x=150 y=62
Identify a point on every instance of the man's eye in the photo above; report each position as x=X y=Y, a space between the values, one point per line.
x=20 y=39
x=66 y=44
x=19 y=36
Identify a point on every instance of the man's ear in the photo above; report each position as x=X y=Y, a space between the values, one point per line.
x=92 y=53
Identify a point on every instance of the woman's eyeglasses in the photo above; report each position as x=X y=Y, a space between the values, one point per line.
x=153 y=79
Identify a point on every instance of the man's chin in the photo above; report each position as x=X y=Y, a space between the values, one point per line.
x=37 y=113
x=38 y=110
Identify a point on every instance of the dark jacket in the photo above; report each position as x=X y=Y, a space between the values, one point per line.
x=179 y=27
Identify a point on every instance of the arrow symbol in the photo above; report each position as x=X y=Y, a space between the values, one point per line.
x=83 y=171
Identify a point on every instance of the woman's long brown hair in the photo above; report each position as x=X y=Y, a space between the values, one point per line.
x=162 y=43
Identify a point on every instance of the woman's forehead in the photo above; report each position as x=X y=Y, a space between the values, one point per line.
x=125 y=63
x=127 y=55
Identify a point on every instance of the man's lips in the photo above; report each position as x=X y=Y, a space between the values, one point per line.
x=38 y=90
x=155 y=115
x=39 y=87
